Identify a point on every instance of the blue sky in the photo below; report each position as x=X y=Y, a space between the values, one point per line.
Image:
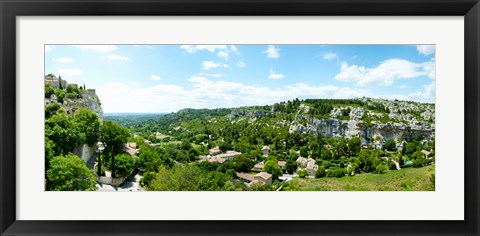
x=166 y=78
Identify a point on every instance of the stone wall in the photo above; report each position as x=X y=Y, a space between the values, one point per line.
x=54 y=82
x=110 y=180
x=85 y=152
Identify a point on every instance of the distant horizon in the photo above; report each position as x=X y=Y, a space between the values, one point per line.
x=167 y=78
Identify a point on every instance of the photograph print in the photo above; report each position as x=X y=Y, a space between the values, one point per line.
x=239 y=117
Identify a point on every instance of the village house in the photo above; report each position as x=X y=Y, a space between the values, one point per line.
x=131 y=145
x=311 y=167
x=266 y=150
x=261 y=178
x=217 y=160
x=282 y=164
x=214 y=151
x=302 y=161
x=229 y=155
x=131 y=148
x=258 y=167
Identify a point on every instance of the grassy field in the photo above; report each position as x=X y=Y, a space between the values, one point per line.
x=408 y=179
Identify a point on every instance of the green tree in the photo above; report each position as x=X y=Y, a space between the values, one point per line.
x=51 y=109
x=243 y=163
x=149 y=159
x=354 y=146
x=321 y=172
x=60 y=93
x=291 y=166
x=224 y=146
x=410 y=148
x=49 y=90
x=113 y=136
x=88 y=123
x=62 y=130
x=326 y=154
x=185 y=145
x=124 y=165
x=69 y=173
x=60 y=82
x=187 y=178
x=304 y=151
x=271 y=166
x=390 y=145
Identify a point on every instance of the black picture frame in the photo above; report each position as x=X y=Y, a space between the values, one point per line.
x=10 y=9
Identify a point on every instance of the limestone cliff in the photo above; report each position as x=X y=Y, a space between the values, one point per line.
x=405 y=120
x=398 y=120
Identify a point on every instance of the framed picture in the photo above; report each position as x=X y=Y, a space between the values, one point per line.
x=365 y=87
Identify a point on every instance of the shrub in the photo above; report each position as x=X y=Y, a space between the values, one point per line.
x=321 y=172
x=381 y=168
x=71 y=95
x=302 y=173
x=337 y=172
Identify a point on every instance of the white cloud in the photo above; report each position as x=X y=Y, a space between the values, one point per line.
x=403 y=86
x=97 y=48
x=274 y=75
x=329 y=56
x=205 y=93
x=223 y=54
x=272 y=52
x=426 y=49
x=207 y=65
x=195 y=48
x=155 y=77
x=426 y=94
x=116 y=57
x=143 y=45
x=48 y=48
x=386 y=73
x=217 y=75
x=69 y=72
x=234 y=50
x=241 y=64
x=63 y=60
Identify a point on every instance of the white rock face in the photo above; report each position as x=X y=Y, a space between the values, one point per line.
x=254 y=113
x=336 y=128
x=88 y=100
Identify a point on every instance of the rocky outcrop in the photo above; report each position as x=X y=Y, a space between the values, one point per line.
x=87 y=100
x=336 y=128
x=254 y=113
